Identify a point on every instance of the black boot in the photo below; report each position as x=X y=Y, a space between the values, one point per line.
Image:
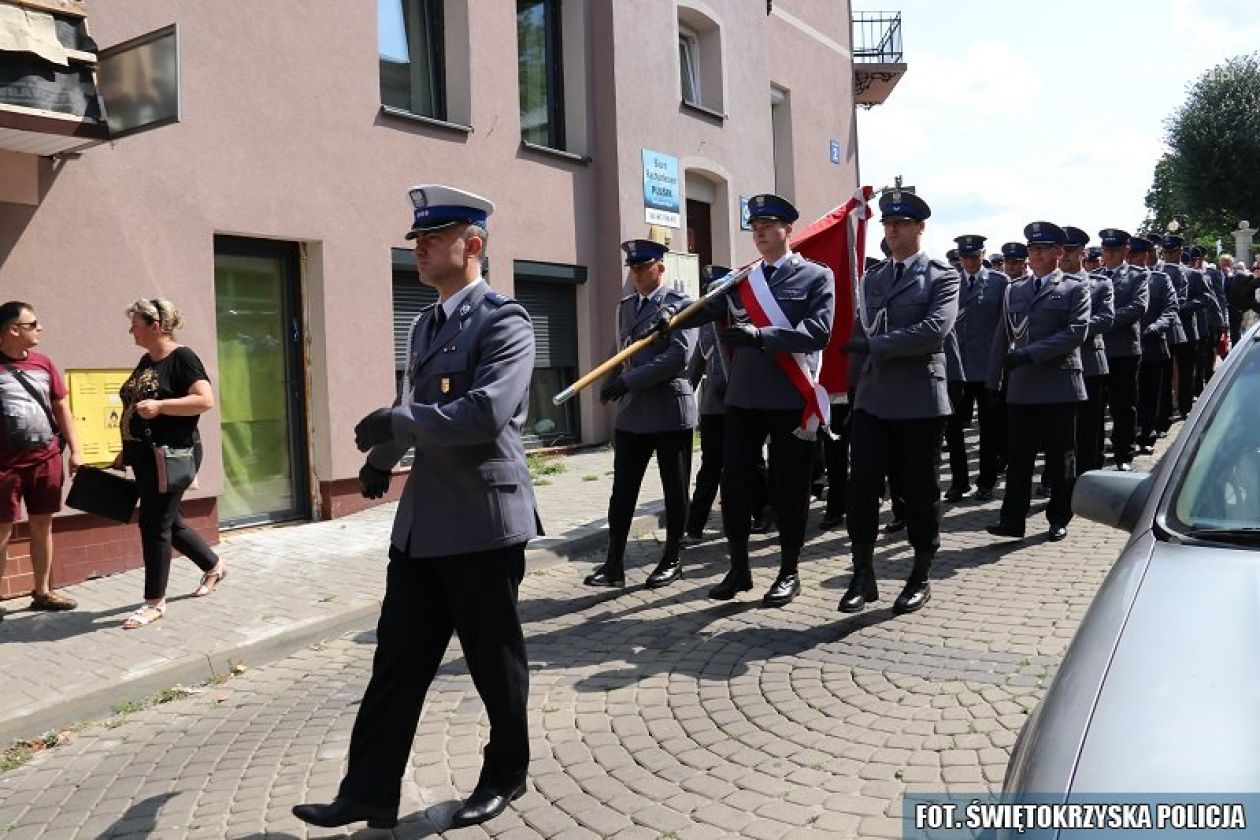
x=917 y=591
x=670 y=568
x=613 y=572
x=738 y=579
x=862 y=589
x=786 y=586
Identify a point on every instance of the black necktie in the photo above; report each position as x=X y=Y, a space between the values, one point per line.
x=439 y=318
x=900 y=267
x=767 y=269
x=971 y=282
x=1036 y=286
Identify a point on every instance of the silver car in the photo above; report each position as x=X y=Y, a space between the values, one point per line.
x=1160 y=688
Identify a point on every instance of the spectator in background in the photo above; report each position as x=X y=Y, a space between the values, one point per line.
x=36 y=421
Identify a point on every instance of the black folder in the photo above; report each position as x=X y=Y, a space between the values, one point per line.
x=103 y=493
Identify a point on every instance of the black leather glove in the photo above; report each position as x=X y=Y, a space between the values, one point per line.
x=856 y=344
x=614 y=389
x=374 y=429
x=658 y=324
x=1017 y=357
x=373 y=483
x=742 y=335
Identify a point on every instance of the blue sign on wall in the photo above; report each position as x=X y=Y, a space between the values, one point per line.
x=745 y=223
x=837 y=151
x=662 y=192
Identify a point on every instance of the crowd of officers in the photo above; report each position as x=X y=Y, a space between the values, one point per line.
x=1040 y=342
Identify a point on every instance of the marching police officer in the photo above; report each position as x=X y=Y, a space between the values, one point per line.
x=457 y=551
x=1185 y=353
x=1037 y=350
x=781 y=316
x=707 y=369
x=657 y=416
x=1174 y=337
x=1092 y=261
x=1123 y=342
x=1157 y=333
x=1090 y=420
x=981 y=292
x=906 y=309
x=1212 y=316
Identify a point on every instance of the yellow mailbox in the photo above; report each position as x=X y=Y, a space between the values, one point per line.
x=97 y=411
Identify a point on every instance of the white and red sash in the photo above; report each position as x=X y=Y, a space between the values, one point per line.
x=764 y=311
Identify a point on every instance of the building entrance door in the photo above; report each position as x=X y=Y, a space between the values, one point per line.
x=262 y=391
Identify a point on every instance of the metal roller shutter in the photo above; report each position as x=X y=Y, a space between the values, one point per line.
x=553 y=309
x=409 y=296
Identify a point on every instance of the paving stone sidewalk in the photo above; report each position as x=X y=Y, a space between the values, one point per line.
x=653 y=713
x=288 y=586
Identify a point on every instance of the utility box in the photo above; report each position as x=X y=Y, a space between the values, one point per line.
x=97 y=411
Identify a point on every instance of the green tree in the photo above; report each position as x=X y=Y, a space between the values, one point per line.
x=1209 y=175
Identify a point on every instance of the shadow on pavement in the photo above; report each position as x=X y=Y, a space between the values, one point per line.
x=140 y=819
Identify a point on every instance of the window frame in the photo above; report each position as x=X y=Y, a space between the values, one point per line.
x=689 y=66
x=553 y=64
x=432 y=14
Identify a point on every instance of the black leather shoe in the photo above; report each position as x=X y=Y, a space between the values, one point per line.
x=895 y=526
x=485 y=805
x=913 y=597
x=1146 y=449
x=830 y=521
x=608 y=576
x=1003 y=530
x=666 y=572
x=983 y=495
x=1056 y=533
x=956 y=494
x=341 y=812
x=758 y=525
x=785 y=587
x=736 y=581
x=862 y=590
x=1124 y=466
x=694 y=535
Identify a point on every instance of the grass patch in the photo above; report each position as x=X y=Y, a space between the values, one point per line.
x=23 y=751
x=540 y=465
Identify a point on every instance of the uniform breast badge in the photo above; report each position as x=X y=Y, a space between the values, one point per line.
x=446 y=385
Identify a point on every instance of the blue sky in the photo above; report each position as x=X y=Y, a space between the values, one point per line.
x=1016 y=111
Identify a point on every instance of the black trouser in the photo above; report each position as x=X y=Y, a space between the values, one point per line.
x=162 y=525
x=631 y=453
x=1090 y=425
x=474 y=596
x=1187 y=362
x=709 y=476
x=906 y=453
x=791 y=463
x=836 y=454
x=1150 y=387
x=972 y=399
x=1122 y=383
x=1163 y=414
x=1235 y=327
x=1207 y=364
x=1029 y=429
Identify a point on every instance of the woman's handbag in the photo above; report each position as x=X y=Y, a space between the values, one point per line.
x=103 y=493
x=176 y=467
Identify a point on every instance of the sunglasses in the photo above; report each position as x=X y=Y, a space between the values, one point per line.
x=29 y=325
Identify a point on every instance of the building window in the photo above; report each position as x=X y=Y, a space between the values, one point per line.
x=689 y=65
x=413 y=68
x=781 y=134
x=548 y=291
x=540 y=58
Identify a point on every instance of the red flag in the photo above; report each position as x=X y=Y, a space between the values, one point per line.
x=838 y=240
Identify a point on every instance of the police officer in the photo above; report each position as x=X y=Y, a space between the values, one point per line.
x=457 y=551
x=1015 y=260
x=1174 y=337
x=657 y=416
x=1102 y=312
x=1213 y=319
x=1037 y=351
x=1123 y=342
x=1185 y=353
x=781 y=317
x=981 y=292
x=951 y=256
x=707 y=370
x=1092 y=261
x=1157 y=333
x=906 y=309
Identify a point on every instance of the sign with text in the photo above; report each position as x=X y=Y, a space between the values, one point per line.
x=745 y=222
x=662 y=194
x=837 y=151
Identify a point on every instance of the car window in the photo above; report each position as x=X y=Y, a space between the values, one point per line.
x=1221 y=486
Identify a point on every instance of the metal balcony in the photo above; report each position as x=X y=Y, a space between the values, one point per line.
x=877 y=56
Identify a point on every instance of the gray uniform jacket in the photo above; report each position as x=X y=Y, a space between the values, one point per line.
x=1185 y=306
x=1159 y=317
x=469 y=488
x=1102 y=314
x=1176 y=335
x=908 y=322
x=1216 y=283
x=1129 y=284
x=979 y=313
x=1207 y=311
x=661 y=398
x=708 y=364
x=1051 y=326
x=806 y=292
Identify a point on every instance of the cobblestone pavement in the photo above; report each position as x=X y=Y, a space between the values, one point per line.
x=653 y=714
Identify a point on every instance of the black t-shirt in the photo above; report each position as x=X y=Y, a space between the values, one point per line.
x=169 y=379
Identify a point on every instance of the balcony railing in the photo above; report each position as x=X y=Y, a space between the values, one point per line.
x=877 y=38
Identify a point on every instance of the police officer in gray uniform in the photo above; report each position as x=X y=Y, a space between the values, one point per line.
x=1037 y=351
x=1211 y=316
x=981 y=292
x=1185 y=353
x=906 y=310
x=1157 y=326
x=1123 y=342
x=707 y=370
x=457 y=551
x=761 y=398
x=1090 y=420
x=656 y=417
x=1174 y=338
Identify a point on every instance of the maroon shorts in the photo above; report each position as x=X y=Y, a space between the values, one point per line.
x=38 y=484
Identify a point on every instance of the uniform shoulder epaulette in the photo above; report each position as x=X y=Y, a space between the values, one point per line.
x=673 y=294
x=941 y=264
x=495 y=299
x=630 y=296
x=819 y=263
x=427 y=307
